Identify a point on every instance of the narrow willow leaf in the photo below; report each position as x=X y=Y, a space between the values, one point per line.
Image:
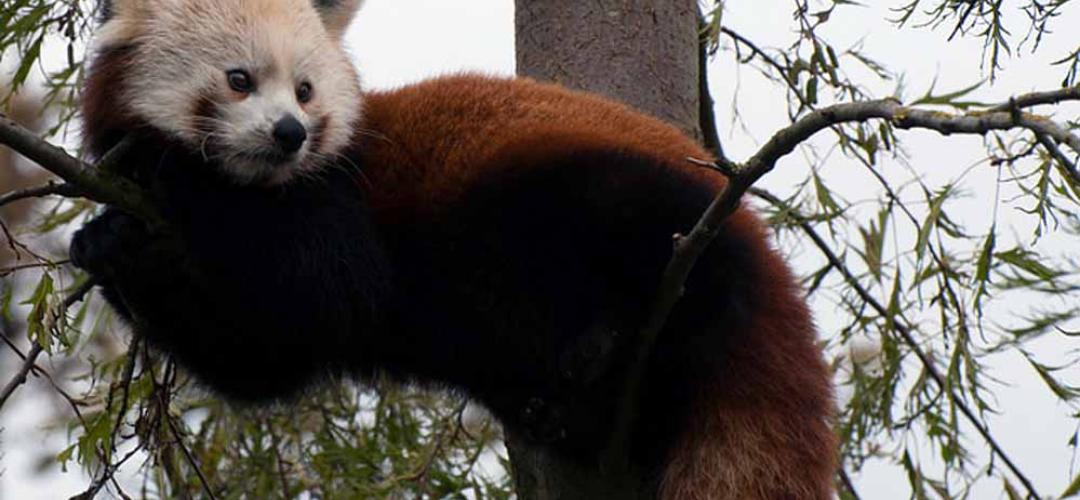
x=1028 y=261
x=1010 y=490
x=1073 y=489
x=65 y=456
x=950 y=98
x=982 y=267
x=824 y=196
x=811 y=90
x=29 y=60
x=1062 y=391
x=39 y=301
x=932 y=218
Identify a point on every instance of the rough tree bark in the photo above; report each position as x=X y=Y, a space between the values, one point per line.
x=641 y=52
x=645 y=54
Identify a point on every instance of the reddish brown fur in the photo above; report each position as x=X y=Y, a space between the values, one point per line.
x=431 y=139
x=765 y=436
x=105 y=116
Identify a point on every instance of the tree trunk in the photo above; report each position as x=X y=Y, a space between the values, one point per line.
x=645 y=54
x=640 y=52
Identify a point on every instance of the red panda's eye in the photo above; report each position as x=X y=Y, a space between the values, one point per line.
x=240 y=80
x=303 y=92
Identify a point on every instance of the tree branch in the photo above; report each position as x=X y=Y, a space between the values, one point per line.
x=1067 y=165
x=99 y=183
x=845 y=479
x=9 y=270
x=1036 y=98
x=20 y=377
x=902 y=117
x=48 y=189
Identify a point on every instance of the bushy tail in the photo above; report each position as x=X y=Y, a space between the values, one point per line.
x=760 y=427
x=751 y=454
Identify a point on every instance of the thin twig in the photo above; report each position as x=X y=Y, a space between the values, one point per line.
x=758 y=51
x=107 y=474
x=20 y=376
x=12 y=243
x=1067 y=165
x=275 y=443
x=31 y=356
x=7 y=271
x=38 y=371
x=51 y=188
x=848 y=484
x=184 y=449
x=125 y=384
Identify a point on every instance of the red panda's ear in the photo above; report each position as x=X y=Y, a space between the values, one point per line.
x=120 y=20
x=337 y=14
x=105 y=10
x=108 y=10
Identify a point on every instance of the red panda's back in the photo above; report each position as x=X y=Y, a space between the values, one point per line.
x=758 y=424
x=430 y=139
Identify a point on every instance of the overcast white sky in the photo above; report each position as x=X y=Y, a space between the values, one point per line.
x=400 y=41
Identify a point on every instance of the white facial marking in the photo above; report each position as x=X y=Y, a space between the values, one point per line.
x=178 y=84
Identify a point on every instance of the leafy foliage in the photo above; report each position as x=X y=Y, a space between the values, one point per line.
x=32 y=25
x=920 y=284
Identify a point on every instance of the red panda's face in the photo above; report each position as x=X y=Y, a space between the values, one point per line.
x=260 y=88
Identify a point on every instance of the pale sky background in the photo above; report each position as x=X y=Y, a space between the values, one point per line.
x=395 y=42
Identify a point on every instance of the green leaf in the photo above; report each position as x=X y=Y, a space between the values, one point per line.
x=983 y=265
x=1011 y=490
x=874 y=244
x=1073 y=489
x=982 y=268
x=1027 y=261
x=893 y=309
x=39 y=301
x=1062 y=391
x=931 y=220
x=65 y=456
x=6 y=293
x=950 y=98
x=29 y=60
x=824 y=195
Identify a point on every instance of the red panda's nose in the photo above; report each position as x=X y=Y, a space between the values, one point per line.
x=289 y=134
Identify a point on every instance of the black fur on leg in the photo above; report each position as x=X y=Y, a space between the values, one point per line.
x=258 y=291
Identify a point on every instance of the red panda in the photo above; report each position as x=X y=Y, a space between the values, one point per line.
x=494 y=236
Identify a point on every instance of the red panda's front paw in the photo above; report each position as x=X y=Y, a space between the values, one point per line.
x=104 y=244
